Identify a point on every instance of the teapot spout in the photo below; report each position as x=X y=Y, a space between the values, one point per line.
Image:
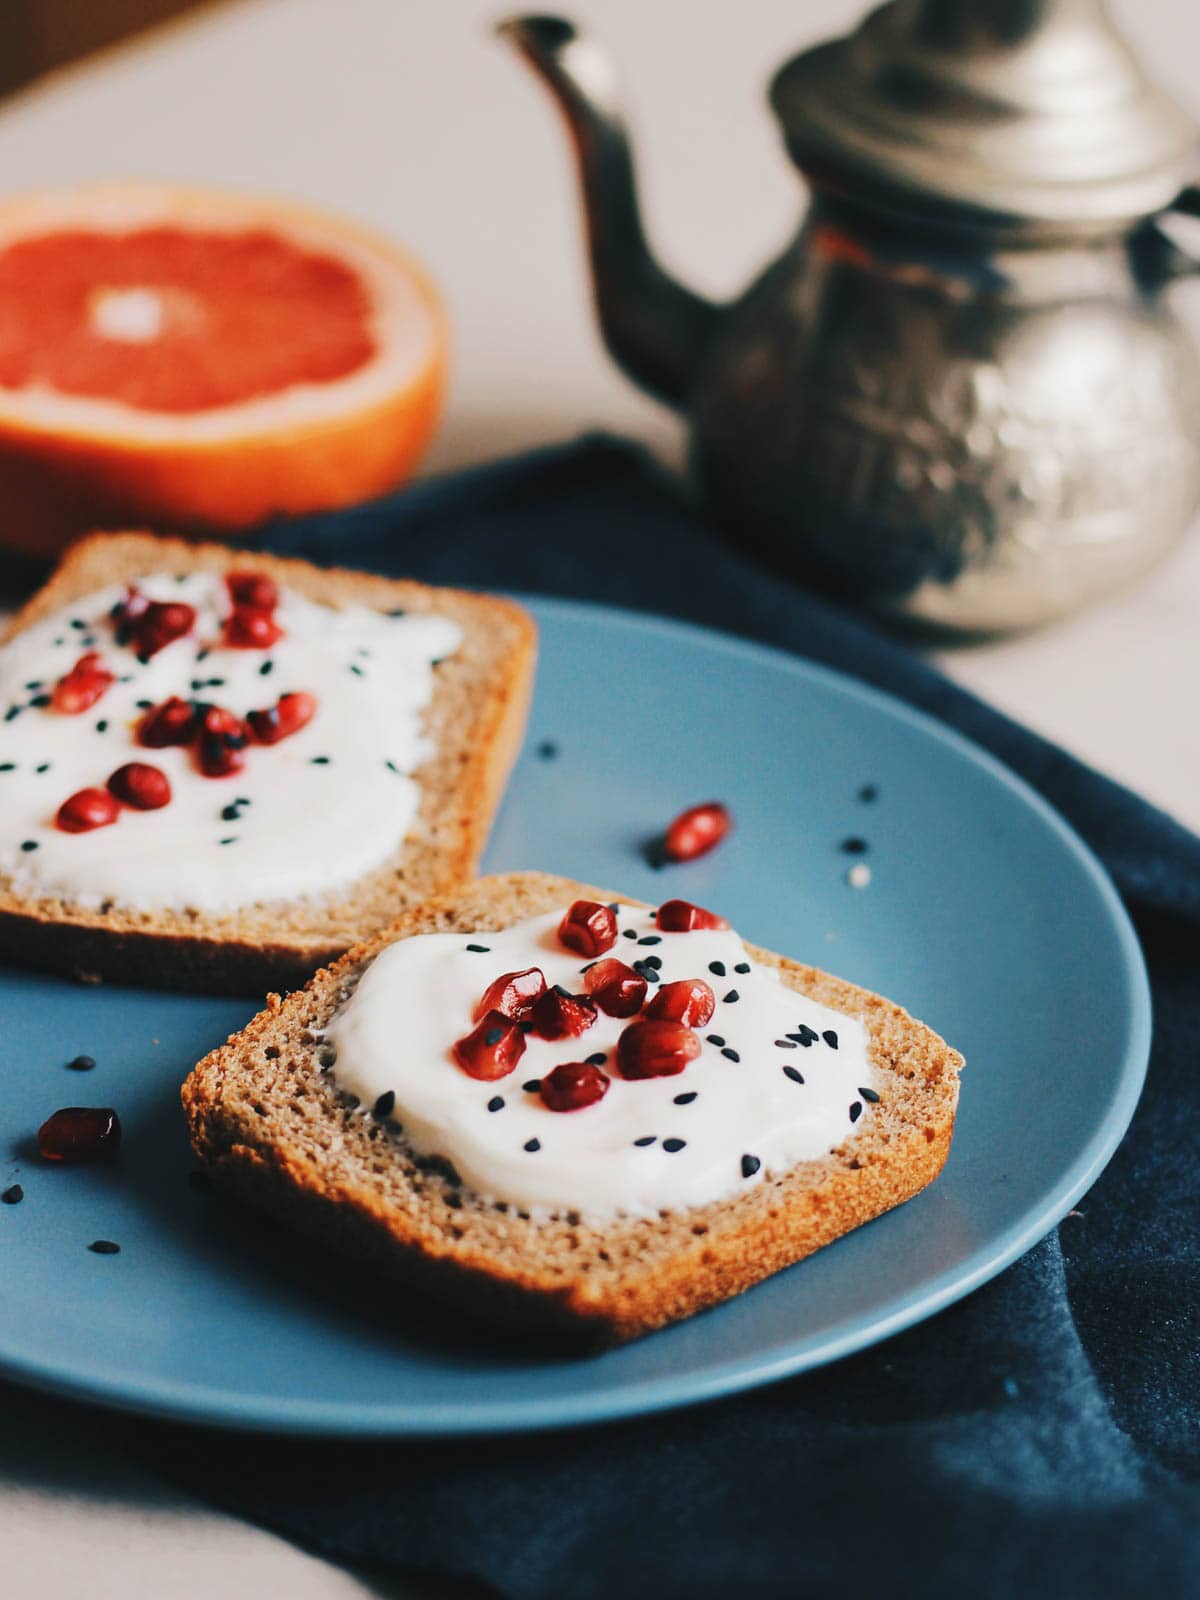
x=654 y=327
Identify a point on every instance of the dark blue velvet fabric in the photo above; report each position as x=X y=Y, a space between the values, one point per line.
x=1041 y=1438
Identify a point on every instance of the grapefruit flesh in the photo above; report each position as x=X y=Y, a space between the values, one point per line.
x=202 y=362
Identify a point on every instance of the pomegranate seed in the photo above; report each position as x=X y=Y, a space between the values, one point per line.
x=492 y=1049
x=82 y=686
x=80 y=1133
x=573 y=1085
x=140 y=785
x=127 y=611
x=252 y=589
x=222 y=742
x=513 y=994
x=175 y=721
x=288 y=715
x=680 y=916
x=696 y=831
x=559 y=1015
x=588 y=928
x=690 y=1001
x=87 y=809
x=162 y=622
x=249 y=629
x=656 y=1049
x=617 y=989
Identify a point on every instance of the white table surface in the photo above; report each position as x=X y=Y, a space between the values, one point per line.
x=408 y=114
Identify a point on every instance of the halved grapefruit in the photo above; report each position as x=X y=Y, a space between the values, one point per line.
x=202 y=361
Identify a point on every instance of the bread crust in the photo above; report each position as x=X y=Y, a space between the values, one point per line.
x=273 y=1131
x=477 y=714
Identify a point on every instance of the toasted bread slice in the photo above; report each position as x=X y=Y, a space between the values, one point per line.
x=274 y=1128
x=475 y=721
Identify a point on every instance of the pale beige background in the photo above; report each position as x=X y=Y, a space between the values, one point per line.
x=408 y=114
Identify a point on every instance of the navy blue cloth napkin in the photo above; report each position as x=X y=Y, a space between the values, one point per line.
x=1041 y=1438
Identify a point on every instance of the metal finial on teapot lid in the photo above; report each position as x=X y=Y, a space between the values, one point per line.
x=1032 y=114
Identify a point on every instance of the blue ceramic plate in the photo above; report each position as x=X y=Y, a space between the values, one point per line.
x=984 y=915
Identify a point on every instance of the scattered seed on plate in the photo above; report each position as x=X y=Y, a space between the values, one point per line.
x=715 y=1038
x=730 y=1055
x=830 y=1038
x=532 y=1145
x=13 y=1195
x=81 y=1063
x=742 y=967
x=855 y=1110
x=547 y=750
x=854 y=846
x=532 y=1085
x=868 y=793
x=29 y=844
x=793 y=1074
x=385 y=1105
x=685 y=1099
x=869 y=1095
x=717 y=967
x=672 y=1145
x=496 y=1103
x=646 y=1139
x=750 y=1165
x=597 y=1060
x=731 y=998
x=104 y=1247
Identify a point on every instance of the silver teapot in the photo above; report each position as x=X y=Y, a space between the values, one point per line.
x=961 y=396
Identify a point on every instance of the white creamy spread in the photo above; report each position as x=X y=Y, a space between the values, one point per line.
x=316 y=810
x=395 y=1034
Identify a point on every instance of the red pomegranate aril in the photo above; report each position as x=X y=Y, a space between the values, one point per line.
x=87 y=809
x=559 y=1015
x=656 y=1049
x=574 y=1085
x=513 y=994
x=80 y=1133
x=618 y=990
x=288 y=715
x=690 y=1000
x=492 y=1049
x=249 y=629
x=127 y=611
x=82 y=686
x=160 y=624
x=696 y=831
x=175 y=721
x=140 y=785
x=588 y=928
x=219 y=751
x=253 y=590
x=680 y=916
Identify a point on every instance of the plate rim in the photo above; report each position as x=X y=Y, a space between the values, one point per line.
x=211 y=1408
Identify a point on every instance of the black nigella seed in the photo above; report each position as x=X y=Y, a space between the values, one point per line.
x=230 y=839
x=830 y=1038
x=143 y=658
x=40 y=701
x=357 y=670
x=320 y=761
x=586 y=968
x=869 y=1095
x=650 y=938
x=853 y=846
x=785 y=1044
x=750 y=1165
x=493 y=1036
x=197 y=685
x=392 y=767
x=42 y=766
x=793 y=1074
x=267 y=668
x=200 y=1181
x=868 y=793
x=104 y=1247
x=742 y=967
x=13 y=1195
x=34 y=684
x=731 y=1055
x=479 y=949
x=79 y=623
x=8 y=766
x=386 y=1104
x=12 y=713
x=646 y=1139
x=597 y=1060
x=202 y=653
x=731 y=997
x=560 y=989
x=397 y=611
x=215 y=683
x=532 y=1085
x=806 y=1037
x=532 y=1145
x=652 y=961
x=29 y=844
x=855 y=1110
x=81 y=1063
x=102 y=725
x=671 y=1145
x=58 y=643
x=231 y=813
x=717 y=967
x=547 y=750
x=496 y=1103
x=684 y=1099
x=715 y=1038
x=629 y=933
x=144 y=705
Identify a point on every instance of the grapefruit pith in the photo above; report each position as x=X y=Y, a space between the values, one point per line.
x=202 y=361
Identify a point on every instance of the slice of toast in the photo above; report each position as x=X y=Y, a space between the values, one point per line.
x=274 y=1128
x=474 y=721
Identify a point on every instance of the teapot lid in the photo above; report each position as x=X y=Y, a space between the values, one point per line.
x=1033 y=115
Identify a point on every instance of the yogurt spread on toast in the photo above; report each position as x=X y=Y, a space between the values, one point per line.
x=760 y=1079
x=182 y=743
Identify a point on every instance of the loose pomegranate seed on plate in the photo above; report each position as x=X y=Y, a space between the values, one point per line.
x=252 y=589
x=289 y=714
x=222 y=742
x=175 y=721
x=160 y=624
x=680 y=916
x=574 y=1085
x=618 y=990
x=690 y=1000
x=140 y=785
x=87 y=809
x=656 y=1049
x=82 y=686
x=513 y=994
x=696 y=831
x=588 y=928
x=559 y=1015
x=249 y=629
x=80 y=1133
x=492 y=1049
